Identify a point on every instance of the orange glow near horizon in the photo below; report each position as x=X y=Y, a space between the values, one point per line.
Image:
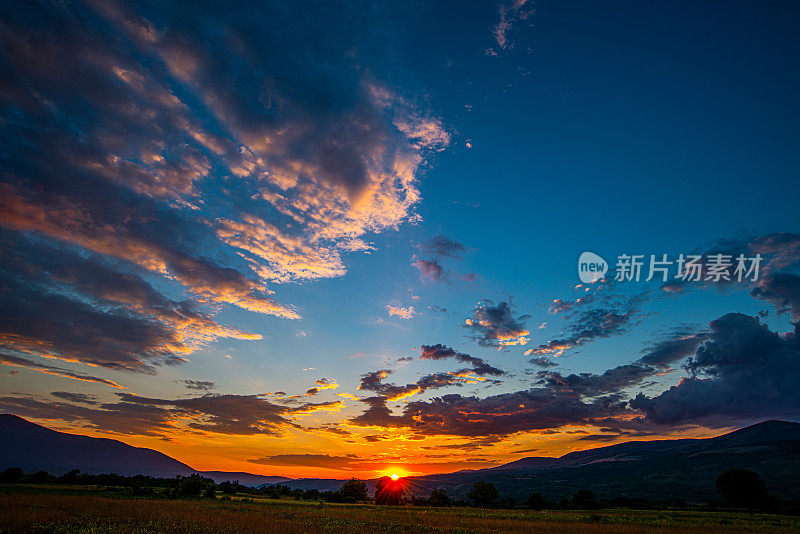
x=392 y=459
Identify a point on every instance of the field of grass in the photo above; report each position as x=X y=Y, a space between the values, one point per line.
x=65 y=512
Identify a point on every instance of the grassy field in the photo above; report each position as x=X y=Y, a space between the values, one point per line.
x=59 y=512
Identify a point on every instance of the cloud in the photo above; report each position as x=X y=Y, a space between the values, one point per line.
x=19 y=361
x=511 y=14
x=148 y=416
x=429 y=269
x=679 y=346
x=783 y=290
x=586 y=327
x=540 y=361
x=442 y=352
x=172 y=150
x=322 y=384
x=495 y=326
x=199 y=385
x=505 y=414
x=83 y=398
x=402 y=313
x=441 y=245
x=94 y=310
x=374 y=381
x=560 y=306
x=743 y=372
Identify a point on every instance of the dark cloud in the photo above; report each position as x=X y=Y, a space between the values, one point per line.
x=496 y=326
x=146 y=416
x=588 y=326
x=19 y=361
x=441 y=245
x=202 y=385
x=783 y=290
x=542 y=361
x=441 y=352
x=507 y=413
x=681 y=345
x=744 y=372
x=373 y=381
x=591 y=385
x=83 y=398
x=84 y=307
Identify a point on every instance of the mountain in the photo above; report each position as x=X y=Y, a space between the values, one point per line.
x=36 y=448
x=657 y=470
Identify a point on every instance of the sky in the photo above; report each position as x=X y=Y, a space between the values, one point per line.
x=318 y=240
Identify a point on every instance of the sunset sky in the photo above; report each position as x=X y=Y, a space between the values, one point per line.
x=321 y=240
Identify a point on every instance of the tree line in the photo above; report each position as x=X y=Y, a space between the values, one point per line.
x=737 y=488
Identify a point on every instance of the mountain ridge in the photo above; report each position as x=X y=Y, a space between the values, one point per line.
x=657 y=469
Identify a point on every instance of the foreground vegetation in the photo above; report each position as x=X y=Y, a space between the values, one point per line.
x=80 y=509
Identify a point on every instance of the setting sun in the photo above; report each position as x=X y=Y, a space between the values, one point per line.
x=395 y=476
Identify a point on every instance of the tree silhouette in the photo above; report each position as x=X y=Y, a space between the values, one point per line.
x=584 y=499
x=536 y=501
x=354 y=490
x=12 y=474
x=742 y=488
x=439 y=498
x=483 y=494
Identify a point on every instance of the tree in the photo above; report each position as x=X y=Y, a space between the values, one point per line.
x=483 y=494
x=536 y=501
x=742 y=488
x=228 y=488
x=193 y=485
x=354 y=490
x=584 y=499
x=40 y=477
x=439 y=498
x=12 y=474
x=211 y=491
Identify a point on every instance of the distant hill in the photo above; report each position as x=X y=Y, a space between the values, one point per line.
x=656 y=470
x=245 y=479
x=36 y=448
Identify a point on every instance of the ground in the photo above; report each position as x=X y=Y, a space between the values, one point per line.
x=77 y=511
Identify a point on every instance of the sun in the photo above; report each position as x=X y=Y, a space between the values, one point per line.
x=395 y=476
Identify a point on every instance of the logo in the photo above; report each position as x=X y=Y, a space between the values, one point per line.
x=591 y=267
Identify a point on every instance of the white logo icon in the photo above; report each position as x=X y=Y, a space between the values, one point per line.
x=591 y=267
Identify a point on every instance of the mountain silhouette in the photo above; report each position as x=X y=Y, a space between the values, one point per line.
x=661 y=470
x=657 y=470
x=36 y=448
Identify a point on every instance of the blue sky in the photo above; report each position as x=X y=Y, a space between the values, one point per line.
x=216 y=222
